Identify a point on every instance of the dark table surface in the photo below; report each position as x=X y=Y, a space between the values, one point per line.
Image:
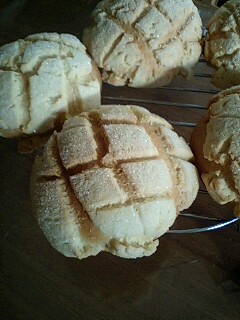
x=194 y=276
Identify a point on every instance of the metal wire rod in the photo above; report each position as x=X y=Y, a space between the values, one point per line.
x=182 y=124
x=158 y=102
x=223 y=223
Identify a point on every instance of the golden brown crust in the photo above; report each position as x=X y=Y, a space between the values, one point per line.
x=221 y=48
x=135 y=43
x=215 y=144
x=43 y=79
x=197 y=140
x=116 y=178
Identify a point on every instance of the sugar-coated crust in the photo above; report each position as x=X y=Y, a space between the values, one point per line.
x=222 y=45
x=43 y=79
x=215 y=144
x=114 y=179
x=144 y=43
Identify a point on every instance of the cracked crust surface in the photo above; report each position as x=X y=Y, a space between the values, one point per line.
x=112 y=180
x=222 y=45
x=43 y=78
x=144 y=43
x=215 y=143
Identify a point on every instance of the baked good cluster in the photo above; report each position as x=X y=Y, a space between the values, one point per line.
x=115 y=177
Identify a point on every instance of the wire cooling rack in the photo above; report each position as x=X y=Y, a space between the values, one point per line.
x=182 y=103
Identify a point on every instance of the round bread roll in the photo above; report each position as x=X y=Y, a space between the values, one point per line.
x=216 y=145
x=222 y=45
x=114 y=180
x=144 y=43
x=43 y=78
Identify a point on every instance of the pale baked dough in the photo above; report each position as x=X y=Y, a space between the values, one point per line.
x=44 y=78
x=144 y=43
x=222 y=45
x=114 y=180
x=216 y=146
